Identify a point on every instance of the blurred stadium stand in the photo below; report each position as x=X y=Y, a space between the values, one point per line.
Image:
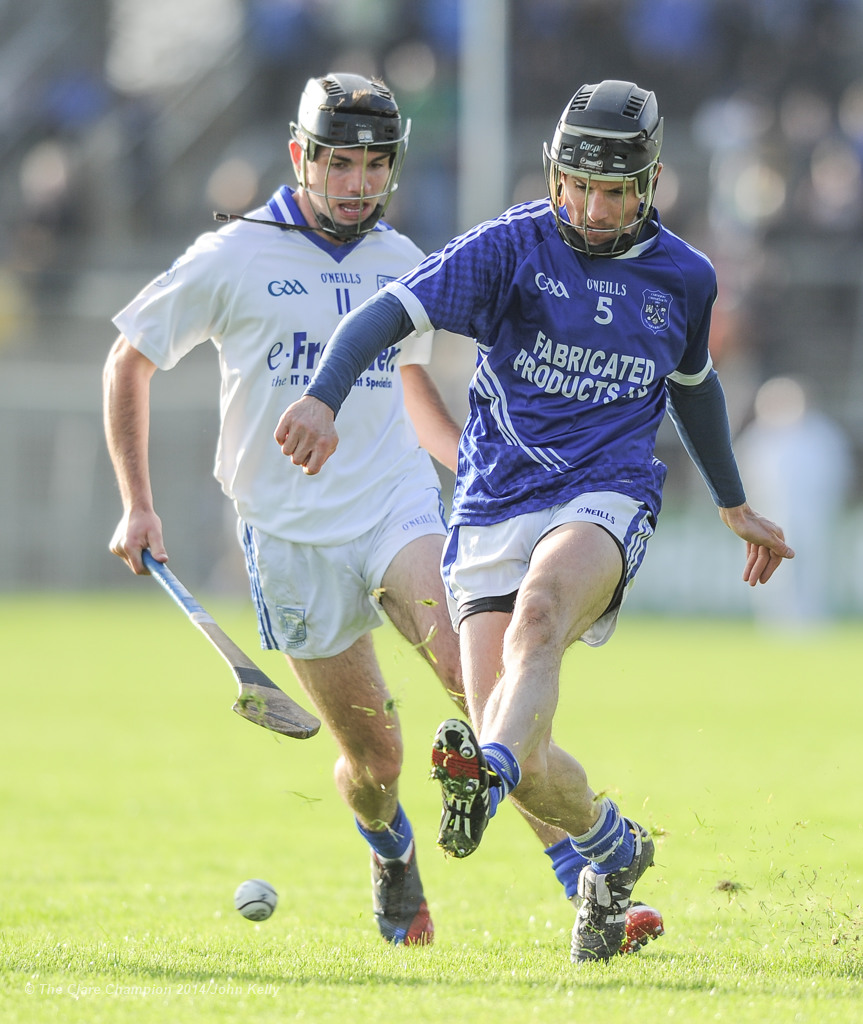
x=123 y=125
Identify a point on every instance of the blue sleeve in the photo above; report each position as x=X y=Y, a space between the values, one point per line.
x=701 y=418
x=362 y=335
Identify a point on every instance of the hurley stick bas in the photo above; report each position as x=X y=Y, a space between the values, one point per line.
x=260 y=700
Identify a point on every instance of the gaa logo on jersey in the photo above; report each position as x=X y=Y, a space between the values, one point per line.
x=654 y=310
x=278 y=288
x=548 y=284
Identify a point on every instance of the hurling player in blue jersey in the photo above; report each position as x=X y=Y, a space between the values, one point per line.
x=591 y=320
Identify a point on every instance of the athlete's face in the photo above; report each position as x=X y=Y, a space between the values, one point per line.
x=346 y=185
x=599 y=208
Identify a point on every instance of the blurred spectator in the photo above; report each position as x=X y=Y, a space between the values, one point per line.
x=122 y=124
x=797 y=462
x=285 y=38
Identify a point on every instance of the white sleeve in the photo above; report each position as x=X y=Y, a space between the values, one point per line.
x=417 y=348
x=182 y=308
x=413 y=306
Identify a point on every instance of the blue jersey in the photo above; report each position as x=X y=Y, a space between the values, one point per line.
x=573 y=354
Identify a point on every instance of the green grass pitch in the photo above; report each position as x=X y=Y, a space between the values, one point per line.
x=134 y=801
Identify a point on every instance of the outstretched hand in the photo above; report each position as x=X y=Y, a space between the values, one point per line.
x=307 y=433
x=765 y=542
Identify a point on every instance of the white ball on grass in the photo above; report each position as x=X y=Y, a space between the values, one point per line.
x=255 y=899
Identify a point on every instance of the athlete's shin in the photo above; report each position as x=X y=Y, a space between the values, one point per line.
x=372 y=795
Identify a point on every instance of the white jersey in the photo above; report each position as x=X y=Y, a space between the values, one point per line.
x=269 y=299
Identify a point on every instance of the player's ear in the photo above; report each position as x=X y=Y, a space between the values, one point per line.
x=296 y=151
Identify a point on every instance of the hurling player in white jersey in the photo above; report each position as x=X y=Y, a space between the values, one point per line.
x=591 y=319
x=324 y=553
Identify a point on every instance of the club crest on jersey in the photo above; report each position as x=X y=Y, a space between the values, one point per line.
x=654 y=310
x=384 y=279
x=293 y=622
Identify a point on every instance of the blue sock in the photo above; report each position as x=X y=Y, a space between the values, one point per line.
x=609 y=845
x=502 y=762
x=392 y=842
x=567 y=864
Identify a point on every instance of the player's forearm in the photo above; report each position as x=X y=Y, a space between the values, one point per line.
x=126 y=410
x=437 y=431
x=362 y=335
x=700 y=416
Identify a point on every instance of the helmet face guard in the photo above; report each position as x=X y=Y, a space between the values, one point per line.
x=607 y=132
x=344 y=111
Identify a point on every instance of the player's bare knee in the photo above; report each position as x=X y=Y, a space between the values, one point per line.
x=378 y=773
x=536 y=622
x=383 y=775
x=380 y=767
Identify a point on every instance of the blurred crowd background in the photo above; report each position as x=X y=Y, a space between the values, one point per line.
x=124 y=125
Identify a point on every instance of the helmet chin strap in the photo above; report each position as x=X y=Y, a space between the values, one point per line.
x=621 y=243
x=226 y=218
x=621 y=240
x=345 y=232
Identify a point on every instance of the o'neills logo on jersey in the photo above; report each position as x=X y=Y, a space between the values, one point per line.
x=654 y=310
x=546 y=284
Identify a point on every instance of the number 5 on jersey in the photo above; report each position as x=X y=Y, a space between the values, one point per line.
x=604 y=314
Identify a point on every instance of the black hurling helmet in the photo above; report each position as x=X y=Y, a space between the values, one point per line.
x=609 y=131
x=345 y=111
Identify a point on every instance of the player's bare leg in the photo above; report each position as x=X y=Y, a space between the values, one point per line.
x=574 y=572
x=413 y=598
x=512 y=667
x=352 y=699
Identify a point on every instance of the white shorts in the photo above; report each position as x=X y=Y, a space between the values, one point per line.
x=315 y=602
x=484 y=563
